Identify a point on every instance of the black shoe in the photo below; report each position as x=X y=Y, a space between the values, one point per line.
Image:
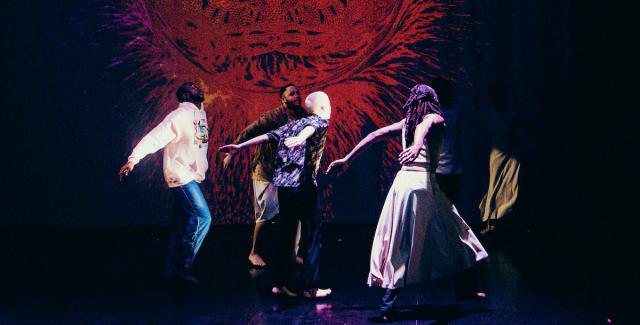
x=389 y=317
x=283 y=291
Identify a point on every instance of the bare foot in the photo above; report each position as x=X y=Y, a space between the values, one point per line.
x=299 y=260
x=283 y=291
x=317 y=293
x=256 y=260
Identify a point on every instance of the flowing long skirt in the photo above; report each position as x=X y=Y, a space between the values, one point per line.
x=420 y=235
x=503 y=186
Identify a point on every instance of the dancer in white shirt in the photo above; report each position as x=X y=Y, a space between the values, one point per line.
x=184 y=135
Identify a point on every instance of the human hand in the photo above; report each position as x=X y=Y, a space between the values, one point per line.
x=226 y=162
x=338 y=167
x=409 y=154
x=294 y=142
x=125 y=170
x=229 y=150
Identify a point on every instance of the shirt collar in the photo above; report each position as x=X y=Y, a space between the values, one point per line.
x=189 y=106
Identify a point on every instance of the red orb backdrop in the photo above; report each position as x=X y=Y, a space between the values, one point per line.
x=364 y=54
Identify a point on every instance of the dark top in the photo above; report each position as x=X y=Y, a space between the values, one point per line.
x=264 y=154
x=293 y=166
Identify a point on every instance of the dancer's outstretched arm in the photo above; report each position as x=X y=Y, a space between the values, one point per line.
x=299 y=139
x=379 y=134
x=155 y=140
x=419 y=135
x=231 y=149
x=269 y=121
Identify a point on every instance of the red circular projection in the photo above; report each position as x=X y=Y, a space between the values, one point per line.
x=364 y=54
x=261 y=45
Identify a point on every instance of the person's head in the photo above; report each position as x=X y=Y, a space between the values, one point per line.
x=318 y=103
x=190 y=92
x=289 y=96
x=422 y=100
x=444 y=89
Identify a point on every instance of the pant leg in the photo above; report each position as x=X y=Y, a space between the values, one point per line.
x=287 y=220
x=310 y=235
x=468 y=283
x=196 y=224
x=266 y=207
x=389 y=300
x=265 y=200
x=450 y=185
x=178 y=224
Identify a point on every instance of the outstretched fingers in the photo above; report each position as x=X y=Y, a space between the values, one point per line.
x=337 y=167
x=407 y=155
x=125 y=170
x=227 y=149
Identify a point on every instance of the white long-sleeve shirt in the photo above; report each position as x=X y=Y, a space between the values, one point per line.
x=184 y=135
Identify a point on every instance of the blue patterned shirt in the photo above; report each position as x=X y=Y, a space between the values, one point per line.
x=292 y=166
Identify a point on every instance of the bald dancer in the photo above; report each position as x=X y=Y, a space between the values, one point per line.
x=300 y=145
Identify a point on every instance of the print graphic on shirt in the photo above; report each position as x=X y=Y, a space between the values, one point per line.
x=202 y=133
x=193 y=166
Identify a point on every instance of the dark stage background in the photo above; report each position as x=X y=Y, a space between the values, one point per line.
x=84 y=80
x=90 y=78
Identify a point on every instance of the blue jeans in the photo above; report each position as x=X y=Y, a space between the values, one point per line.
x=190 y=226
x=389 y=301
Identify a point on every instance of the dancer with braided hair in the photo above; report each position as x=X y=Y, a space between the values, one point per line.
x=420 y=235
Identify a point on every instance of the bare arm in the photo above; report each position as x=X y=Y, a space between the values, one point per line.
x=365 y=143
x=254 y=141
x=232 y=149
x=419 y=135
x=300 y=138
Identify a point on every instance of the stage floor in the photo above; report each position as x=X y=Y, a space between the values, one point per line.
x=113 y=276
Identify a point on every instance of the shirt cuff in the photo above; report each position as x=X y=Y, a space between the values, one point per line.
x=273 y=136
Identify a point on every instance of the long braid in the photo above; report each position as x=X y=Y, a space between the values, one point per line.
x=413 y=117
x=422 y=101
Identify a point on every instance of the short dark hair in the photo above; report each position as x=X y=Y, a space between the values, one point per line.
x=185 y=92
x=284 y=88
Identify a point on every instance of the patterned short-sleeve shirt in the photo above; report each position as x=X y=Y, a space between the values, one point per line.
x=292 y=166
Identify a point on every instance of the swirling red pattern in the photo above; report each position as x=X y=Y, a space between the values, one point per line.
x=364 y=54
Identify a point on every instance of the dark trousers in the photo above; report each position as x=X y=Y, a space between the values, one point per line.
x=300 y=204
x=389 y=300
x=468 y=283
x=450 y=185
